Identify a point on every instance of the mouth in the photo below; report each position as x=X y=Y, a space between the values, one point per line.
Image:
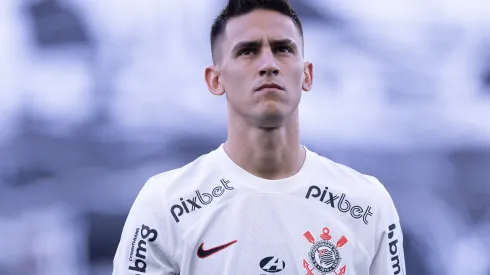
x=270 y=87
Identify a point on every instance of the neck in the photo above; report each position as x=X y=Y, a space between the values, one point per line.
x=273 y=153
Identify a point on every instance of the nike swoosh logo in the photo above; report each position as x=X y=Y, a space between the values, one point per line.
x=204 y=253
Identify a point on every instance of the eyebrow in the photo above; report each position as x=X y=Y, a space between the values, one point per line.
x=258 y=44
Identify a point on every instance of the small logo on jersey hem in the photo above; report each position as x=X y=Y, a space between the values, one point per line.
x=324 y=255
x=272 y=264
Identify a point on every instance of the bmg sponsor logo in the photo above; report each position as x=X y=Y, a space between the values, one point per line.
x=339 y=202
x=147 y=235
x=393 y=247
x=198 y=201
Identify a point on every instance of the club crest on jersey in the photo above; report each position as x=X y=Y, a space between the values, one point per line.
x=324 y=255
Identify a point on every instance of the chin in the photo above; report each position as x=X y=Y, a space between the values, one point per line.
x=271 y=119
x=272 y=115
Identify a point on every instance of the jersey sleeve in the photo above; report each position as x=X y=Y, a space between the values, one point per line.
x=142 y=246
x=389 y=257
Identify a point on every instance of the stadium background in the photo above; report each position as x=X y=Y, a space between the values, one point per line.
x=97 y=96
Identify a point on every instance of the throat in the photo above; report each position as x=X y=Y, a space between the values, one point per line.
x=268 y=153
x=273 y=167
x=268 y=162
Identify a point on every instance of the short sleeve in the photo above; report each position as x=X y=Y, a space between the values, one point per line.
x=142 y=248
x=389 y=257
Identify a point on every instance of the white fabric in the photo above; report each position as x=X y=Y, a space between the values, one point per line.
x=275 y=223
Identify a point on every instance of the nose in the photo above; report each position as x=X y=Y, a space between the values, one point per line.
x=269 y=66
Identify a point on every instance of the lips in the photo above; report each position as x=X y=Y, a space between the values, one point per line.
x=270 y=86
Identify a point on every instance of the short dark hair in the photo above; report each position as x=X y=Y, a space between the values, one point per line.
x=235 y=8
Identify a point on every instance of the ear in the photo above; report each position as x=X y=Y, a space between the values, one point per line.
x=212 y=75
x=308 y=76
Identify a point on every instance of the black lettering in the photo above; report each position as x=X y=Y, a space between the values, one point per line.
x=137 y=267
x=147 y=234
x=146 y=231
x=393 y=247
x=176 y=215
x=323 y=194
x=203 y=198
x=332 y=199
x=391 y=228
x=396 y=265
x=366 y=214
x=341 y=202
x=218 y=191
x=135 y=237
x=225 y=184
x=184 y=205
x=208 y=201
x=141 y=248
x=356 y=212
x=193 y=203
x=317 y=193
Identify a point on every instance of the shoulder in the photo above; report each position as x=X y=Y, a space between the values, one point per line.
x=166 y=185
x=355 y=184
x=348 y=176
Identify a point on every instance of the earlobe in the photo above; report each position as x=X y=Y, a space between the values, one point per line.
x=211 y=75
x=308 y=80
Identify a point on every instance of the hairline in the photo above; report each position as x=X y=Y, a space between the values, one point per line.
x=218 y=39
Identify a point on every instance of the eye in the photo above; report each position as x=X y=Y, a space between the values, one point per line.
x=284 y=49
x=246 y=52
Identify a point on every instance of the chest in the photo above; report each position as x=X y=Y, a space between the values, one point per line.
x=267 y=233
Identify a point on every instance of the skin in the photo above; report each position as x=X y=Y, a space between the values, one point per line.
x=263 y=126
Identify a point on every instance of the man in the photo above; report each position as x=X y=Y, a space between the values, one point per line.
x=261 y=203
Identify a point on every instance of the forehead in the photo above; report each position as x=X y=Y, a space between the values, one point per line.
x=260 y=24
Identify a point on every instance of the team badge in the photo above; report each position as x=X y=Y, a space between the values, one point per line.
x=324 y=255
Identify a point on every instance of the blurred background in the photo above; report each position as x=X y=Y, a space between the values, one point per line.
x=98 y=96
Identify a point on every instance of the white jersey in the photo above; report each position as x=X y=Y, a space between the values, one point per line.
x=212 y=217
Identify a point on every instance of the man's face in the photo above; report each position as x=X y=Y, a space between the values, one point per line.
x=263 y=48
